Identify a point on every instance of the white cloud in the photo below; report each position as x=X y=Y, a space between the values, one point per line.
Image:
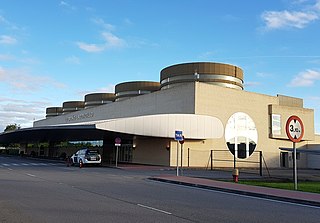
x=20 y=112
x=90 y=47
x=108 y=89
x=3 y=20
x=317 y=5
x=9 y=25
x=292 y=19
x=67 y=5
x=5 y=57
x=110 y=41
x=21 y=83
x=102 y=23
x=305 y=79
x=21 y=80
x=7 y=40
x=283 y=19
x=63 y=3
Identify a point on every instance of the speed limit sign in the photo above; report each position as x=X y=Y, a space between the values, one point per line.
x=294 y=128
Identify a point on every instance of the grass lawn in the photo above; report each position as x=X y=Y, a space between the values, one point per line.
x=305 y=186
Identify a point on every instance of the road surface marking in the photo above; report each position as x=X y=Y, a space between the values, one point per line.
x=154 y=209
x=31 y=175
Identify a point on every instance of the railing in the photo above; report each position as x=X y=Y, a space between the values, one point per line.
x=225 y=159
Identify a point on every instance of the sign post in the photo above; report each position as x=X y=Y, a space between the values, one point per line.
x=117 y=143
x=178 y=137
x=181 y=156
x=295 y=132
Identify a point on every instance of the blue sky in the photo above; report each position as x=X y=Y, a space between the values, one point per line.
x=54 y=51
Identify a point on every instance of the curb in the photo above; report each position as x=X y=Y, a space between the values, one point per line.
x=246 y=193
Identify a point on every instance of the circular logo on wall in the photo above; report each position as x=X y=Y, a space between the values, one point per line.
x=241 y=135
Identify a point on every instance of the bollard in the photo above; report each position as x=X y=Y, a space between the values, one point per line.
x=235 y=174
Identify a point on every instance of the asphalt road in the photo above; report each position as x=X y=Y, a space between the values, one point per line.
x=44 y=191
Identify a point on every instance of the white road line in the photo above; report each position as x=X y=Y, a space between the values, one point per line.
x=31 y=175
x=154 y=209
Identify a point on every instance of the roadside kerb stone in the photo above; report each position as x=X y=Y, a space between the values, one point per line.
x=299 y=197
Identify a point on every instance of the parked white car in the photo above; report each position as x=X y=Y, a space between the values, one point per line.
x=86 y=156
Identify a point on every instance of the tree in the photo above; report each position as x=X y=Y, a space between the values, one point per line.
x=12 y=127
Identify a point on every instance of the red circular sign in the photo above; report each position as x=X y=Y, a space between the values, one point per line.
x=117 y=140
x=294 y=128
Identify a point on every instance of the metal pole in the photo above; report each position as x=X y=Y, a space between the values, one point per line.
x=260 y=161
x=181 y=159
x=117 y=156
x=234 y=160
x=211 y=156
x=188 y=157
x=177 y=158
x=295 y=166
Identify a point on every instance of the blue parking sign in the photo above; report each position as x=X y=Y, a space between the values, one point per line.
x=178 y=135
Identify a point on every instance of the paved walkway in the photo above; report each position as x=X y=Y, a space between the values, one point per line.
x=263 y=192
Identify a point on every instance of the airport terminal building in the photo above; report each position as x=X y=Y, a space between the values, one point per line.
x=220 y=121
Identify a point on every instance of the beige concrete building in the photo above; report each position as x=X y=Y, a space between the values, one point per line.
x=221 y=122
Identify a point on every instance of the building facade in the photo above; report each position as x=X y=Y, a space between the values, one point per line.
x=221 y=122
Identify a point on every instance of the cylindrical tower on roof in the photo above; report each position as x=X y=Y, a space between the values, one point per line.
x=72 y=106
x=53 y=111
x=131 y=89
x=96 y=99
x=225 y=75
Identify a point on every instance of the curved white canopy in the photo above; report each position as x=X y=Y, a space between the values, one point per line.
x=164 y=125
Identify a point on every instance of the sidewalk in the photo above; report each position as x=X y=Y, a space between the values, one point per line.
x=231 y=187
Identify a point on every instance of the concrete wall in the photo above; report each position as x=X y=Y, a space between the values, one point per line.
x=222 y=103
x=151 y=151
x=306 y=116
x=198 y=156
x=313 y=158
